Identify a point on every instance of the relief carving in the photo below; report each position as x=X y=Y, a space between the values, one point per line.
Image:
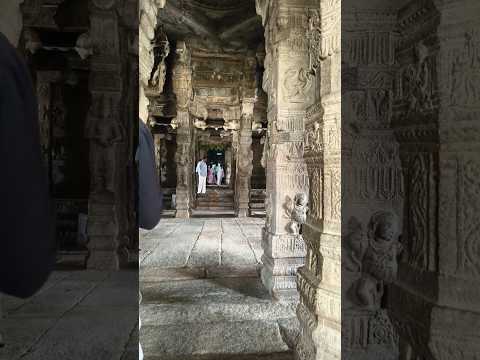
x=417 y=81
x=379 y=259
x=296 y=85
x=313 y=138
x=465 y=73
x=104 y=131
x=296 y=211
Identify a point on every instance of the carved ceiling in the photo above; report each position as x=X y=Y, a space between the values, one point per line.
x=213 y=25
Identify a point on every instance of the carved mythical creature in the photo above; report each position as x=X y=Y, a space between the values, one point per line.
x=354 y=246
x=297 y=212
x=160 y=49
x=379 y=265
x=84 y=46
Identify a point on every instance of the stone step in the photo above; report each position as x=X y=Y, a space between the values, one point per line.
x=174 y=342
x=218 y=209
x=257 y=205
x=208 y=200
x=288 y=355
x=178 y=313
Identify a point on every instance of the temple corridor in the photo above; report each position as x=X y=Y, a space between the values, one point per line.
x=202 y=297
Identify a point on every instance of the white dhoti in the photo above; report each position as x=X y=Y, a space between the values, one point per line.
x=202 y=184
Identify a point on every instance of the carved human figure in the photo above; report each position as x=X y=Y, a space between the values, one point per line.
x=104 y=133
x=182 y=166
x=297 y=213
x=379 y=265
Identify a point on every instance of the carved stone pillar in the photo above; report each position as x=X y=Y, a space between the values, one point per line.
x=371 y=183
x=244 y=159
x=182 y=87
x=435 y=302
x=288 y=85
x=318 y=281
x=106 y=132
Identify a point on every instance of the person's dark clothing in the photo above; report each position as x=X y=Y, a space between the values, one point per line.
x=26 y=232
x=149 y=192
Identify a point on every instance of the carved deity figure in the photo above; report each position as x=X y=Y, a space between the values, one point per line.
x=379 y=265
x=104 y=133
x=181 y=158
x=297 y=212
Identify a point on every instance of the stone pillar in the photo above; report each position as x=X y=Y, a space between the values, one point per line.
x=107 y=136
x=371 y=182
x=182 y=87
x=244 y=159
x=319 y=280
x=435 y=302
x=288 y=85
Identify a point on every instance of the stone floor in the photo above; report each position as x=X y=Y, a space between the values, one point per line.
x=76 y=315
x=202 y=296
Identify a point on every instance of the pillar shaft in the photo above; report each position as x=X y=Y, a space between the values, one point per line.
x=107 y=139
x=288 y=85
x=244 y=160
x=182 y=87
x=434 y=302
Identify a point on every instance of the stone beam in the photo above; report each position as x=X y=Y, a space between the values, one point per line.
x=235 y=29
x=195 y=25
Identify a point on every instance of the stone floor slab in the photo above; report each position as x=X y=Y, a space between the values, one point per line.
x=212 y=338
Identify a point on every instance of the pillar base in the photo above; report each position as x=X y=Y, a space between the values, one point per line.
x=279 y=278
x=183 y=214
x=243 y=213
x=103 y=260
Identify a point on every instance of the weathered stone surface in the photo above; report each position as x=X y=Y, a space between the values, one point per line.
x=212 y=338
x=77 y=315
x=218 y=309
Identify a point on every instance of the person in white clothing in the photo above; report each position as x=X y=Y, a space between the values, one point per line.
x=220 y=174
x=202 y=171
